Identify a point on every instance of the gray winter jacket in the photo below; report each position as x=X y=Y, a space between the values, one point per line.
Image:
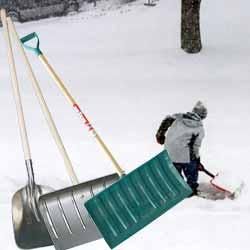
x=184 y=137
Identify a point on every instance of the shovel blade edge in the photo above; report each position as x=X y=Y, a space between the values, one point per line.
x=137 y=199
x=29 y=233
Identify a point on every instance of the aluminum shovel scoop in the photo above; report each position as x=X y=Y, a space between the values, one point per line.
x=67 y=220
x=136 y=199
x=29 y=228
x=63 y=211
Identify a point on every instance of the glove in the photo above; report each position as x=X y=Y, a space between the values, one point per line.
x=160 y=139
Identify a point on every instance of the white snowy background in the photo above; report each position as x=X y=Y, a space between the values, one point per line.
x=126 y=69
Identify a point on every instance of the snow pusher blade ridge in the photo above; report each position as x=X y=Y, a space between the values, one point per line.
x=137 y=199
x=65 y=216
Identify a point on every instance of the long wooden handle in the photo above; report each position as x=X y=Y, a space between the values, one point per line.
x=15 y=88
x=73 y=103
x=44 y=107
x=21 y=120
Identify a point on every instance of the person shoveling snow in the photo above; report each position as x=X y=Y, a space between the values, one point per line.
x=182 y=136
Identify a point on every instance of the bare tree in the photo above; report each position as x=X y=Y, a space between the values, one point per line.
x=190 y=26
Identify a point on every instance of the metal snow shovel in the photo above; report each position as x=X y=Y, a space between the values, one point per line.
x=67 y=220
x=137 y=198
x=29 y=228
x=63 y=211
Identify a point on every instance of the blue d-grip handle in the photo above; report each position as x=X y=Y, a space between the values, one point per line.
x=29 y=37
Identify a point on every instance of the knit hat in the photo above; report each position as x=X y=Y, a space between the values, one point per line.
x=200 y=110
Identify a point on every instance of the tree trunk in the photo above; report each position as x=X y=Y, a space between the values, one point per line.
x=190 y=26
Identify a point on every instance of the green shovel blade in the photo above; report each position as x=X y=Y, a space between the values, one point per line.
x=137 y=199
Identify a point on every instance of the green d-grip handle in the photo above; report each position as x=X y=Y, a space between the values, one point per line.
x=28 y=38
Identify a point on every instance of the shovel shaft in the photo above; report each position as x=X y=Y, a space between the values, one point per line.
x=44 y=107
x=21 y=120
x=208 y=173
x=73 y=103
x=57 y=79
x=119 y=170
x=15 y=88
x=203 y=169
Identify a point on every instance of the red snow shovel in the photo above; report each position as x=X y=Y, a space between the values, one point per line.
x=219 y=182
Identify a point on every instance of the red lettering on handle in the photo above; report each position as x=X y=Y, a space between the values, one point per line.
x=86 y=121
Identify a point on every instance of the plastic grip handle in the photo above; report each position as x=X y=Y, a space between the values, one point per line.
x=28 y=38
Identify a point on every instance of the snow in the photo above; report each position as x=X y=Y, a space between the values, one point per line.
x=125 y=68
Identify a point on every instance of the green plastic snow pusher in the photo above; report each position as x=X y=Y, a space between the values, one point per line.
x=137 y=198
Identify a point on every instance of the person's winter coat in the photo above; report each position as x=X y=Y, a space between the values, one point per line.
x=184 y=134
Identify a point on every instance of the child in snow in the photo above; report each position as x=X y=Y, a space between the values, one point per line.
x=185 y=133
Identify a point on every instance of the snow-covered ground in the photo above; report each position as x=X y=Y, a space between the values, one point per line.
x=125 y=68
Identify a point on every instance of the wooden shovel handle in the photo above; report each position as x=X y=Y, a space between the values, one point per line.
x=44 y=107
x=73 y=103
x=15 y=88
